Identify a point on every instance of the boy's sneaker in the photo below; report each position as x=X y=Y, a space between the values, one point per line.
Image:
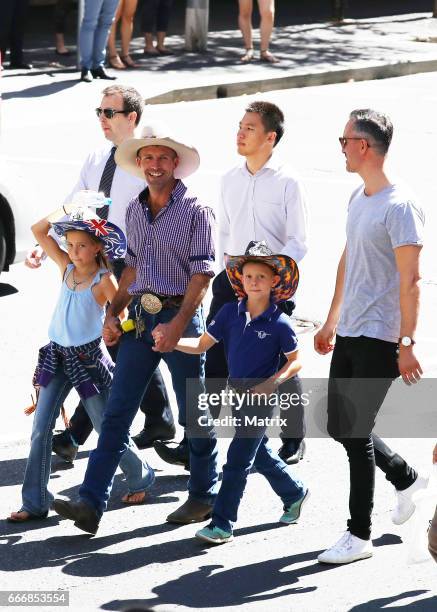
x=405 y=505
x=214 y=535
x=349 y=548
x=292 y=513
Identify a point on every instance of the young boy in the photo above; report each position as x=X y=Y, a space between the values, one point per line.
x=254 y=332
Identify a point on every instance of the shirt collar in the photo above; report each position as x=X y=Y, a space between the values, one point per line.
x=177 y=193
x=266 y=315
x=273 y=163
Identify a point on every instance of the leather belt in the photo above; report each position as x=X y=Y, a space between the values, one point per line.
x=154 y=303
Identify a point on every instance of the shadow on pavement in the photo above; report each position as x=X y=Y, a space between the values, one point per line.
x=79 y=555
x=241 y=585
x=425 y=605
x=6 y=289
x=40 y=90
x=12 y=470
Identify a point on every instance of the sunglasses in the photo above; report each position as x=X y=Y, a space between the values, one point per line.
x=343 y=140
x=109 y=112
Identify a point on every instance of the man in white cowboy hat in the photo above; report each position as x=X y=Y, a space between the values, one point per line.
x=260 y=199
x=169 y=264
x=119 y=113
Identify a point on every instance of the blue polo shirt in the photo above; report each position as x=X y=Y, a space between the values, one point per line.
x=252 y=346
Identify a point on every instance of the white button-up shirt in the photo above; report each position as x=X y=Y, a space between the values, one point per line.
x=124 y=187
x=268 y=205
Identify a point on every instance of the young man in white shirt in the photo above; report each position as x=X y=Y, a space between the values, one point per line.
x=119 y=114
x=261 y=199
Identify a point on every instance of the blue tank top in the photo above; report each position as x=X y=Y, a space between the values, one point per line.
x=77 y=318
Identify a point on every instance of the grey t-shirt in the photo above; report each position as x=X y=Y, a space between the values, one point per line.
x=376 y=225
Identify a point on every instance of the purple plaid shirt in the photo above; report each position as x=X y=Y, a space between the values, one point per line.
x=168 y=250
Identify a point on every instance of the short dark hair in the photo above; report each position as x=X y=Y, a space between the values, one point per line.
x=376 y=125
x=132 y=100
x=271 y=116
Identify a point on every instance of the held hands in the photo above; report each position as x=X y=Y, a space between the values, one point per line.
x=409 y=367
x=166 y=336
x=324 y=339
x=111 y=330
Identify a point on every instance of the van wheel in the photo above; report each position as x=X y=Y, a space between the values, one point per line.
x=3 y=247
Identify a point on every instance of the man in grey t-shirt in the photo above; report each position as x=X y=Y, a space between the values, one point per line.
x=373 y=316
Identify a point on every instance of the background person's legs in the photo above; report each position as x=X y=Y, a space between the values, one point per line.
x=267 y=13
x=245 y=25
x=162 y=21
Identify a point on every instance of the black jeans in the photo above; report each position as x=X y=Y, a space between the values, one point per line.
x=12 y=21
x=216 y=366
x=155 y=404
x=353 y=404
x=156 y=15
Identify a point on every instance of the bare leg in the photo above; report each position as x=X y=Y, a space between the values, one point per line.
x=127 y=24
x=149 y=48
x=60 y=44
x=160 y=41
x=245 y=24
x=114 y=58
x=267 y=12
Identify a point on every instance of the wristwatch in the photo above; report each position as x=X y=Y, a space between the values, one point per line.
x=406 y=341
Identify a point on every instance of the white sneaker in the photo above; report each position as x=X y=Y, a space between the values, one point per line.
x=405 y=505
x=348 y=548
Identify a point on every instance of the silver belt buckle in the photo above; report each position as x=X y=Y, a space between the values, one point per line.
x=151 y=303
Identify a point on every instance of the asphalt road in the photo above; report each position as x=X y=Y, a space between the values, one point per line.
x=135 y=555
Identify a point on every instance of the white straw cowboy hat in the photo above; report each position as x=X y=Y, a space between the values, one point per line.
x=156 y=135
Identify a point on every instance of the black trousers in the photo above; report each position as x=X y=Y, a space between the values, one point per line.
x=216 y=366
x=155 y=404
x=155 y=15
x=61 y=10
x=362 y=371
x=12 y=22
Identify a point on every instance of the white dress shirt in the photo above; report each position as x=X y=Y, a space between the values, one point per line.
x=124 y=187
x=268 y=205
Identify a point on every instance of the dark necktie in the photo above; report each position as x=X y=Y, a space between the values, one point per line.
x=106 y=182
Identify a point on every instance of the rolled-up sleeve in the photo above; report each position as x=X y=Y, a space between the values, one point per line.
x=202 y=250
x=131 y=255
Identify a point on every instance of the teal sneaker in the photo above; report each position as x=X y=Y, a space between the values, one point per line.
x=214 y=535
x=292 y=513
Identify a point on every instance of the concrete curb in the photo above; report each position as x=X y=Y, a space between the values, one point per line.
x=233 y=89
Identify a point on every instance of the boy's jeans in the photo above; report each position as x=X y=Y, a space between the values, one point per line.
x=243 y=453
x=36 y=497
x=136 y=361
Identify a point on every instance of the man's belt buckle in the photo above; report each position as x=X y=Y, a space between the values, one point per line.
x=151 y=303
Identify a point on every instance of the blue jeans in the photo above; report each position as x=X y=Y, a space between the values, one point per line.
x=37 y=499
x=94 y=31
x=243 y=453
x=135 y=364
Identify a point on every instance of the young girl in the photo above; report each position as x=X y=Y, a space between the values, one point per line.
x=76 y=356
